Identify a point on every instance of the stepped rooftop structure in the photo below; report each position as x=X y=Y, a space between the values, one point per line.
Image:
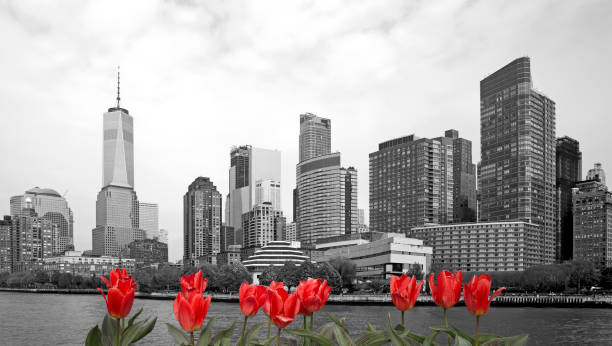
x=275 y=253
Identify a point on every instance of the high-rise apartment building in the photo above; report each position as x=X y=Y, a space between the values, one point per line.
x=33 y=239
x=315 y=136
x=291 y=232
x=48 y=204
x=592 y=209
x=201 y=222
x=327 y=198
x=6 y=244
x=517 y=169
x=248 y=167
x=569 y=171
x=148 y=219
x=117 y=207
x=411 y=183
x=262 y=225
x=597 y=173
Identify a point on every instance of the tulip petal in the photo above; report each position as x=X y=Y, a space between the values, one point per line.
x=496 y=293
x=115 y=299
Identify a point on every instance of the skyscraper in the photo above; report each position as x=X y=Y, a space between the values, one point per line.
x=569 y=171
x=517 y=169
x=464 y=178
x=117 y=219
x=315 y=136
x=261 y=225
x=327 y=198
x=592 y=209
x=411 y=183
x=201 y=222
x=248 y=166
x=268 y=191
x=48 y=204
x=6 y=245
x=148 y=219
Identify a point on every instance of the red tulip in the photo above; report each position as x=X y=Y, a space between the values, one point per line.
x=313 y=294
x=283 y=309
x=404 y=291
x=476 y=294
x=121 y=290
x=279 y=287
x=190 y=306
x=448 y=291
x=251 y=297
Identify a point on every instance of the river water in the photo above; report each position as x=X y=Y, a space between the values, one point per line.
x=57 y=319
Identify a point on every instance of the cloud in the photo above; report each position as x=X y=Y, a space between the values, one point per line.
x=199 y=77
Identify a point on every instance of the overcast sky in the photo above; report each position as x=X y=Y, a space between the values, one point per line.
x=201 y=76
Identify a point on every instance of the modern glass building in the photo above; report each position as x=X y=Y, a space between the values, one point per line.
x=201 y=222
x=464 y=177
x=315 y=136
x=148 y=219
x=49 y=204
x=518 y=143
x=592 y=209
x=327 y=198
x=117 y=207
x=569 y=171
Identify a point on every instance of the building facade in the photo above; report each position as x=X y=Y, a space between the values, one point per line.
x=6 y=244
x=291 y=232
x=484 y=246
x=315 y=136
x=327 y=198
x=201 y=222
x=569 y=171
x=592 y=209
x=377 y=258
x=249 y=167
x=49 y=204
x=517 y=170
x=464 y=177
x=148 y=219
x=262 y=225
x=76 y=263
x=231 y=255
x=411 y=183
x=146 y=252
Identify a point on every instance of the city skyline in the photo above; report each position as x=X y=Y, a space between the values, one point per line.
x=393 y=91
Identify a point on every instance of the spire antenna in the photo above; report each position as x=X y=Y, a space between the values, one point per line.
x=118 y=87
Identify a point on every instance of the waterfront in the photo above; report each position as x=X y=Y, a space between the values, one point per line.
x=60 y=319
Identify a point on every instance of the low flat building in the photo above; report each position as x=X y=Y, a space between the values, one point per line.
x=275 y=253
x=377 y=255
x=75 y=263
x=484 y=246
x=146 y=252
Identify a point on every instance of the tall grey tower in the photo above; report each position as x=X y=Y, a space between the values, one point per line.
x=315 y=136
x=517 y=134
x=117 y=209
x=201 y=222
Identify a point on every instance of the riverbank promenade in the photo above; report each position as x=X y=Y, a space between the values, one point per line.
x=586 y=301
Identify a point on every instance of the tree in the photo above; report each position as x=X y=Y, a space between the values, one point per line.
x=606 y=278
x=325 y=271
x=271 y=273
x=290 y=275
x=583 y=275
x=41 y=278
x=347 y=270
x=231 y=276
x=379 y=285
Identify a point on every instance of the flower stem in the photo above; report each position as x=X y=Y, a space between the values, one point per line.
x=477 y=325
x=446 y=325
x=303 y=337
x=192 y=340
x=278 y=337
x=311 y=323
x=269 y=322
x=243 y=329
x=118 y=330
x=403 y=324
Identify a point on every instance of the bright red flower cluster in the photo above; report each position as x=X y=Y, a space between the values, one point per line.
x=190 y=306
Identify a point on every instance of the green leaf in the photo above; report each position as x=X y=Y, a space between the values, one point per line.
x=430 y=338
x=463 y=335
x=460 y=341
x=393 y=336
x=371 y=327
x=416 y=337
x=206 y=333
x=251 y=334
x=223 y=337
x=178 y=335
x=109 y=327
x=312 y=336
x=94 y=337
x=327 y=330
x=144 y=329
x=342 y=337
x=482 y=338
x=133 y=318
x=372 y=338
